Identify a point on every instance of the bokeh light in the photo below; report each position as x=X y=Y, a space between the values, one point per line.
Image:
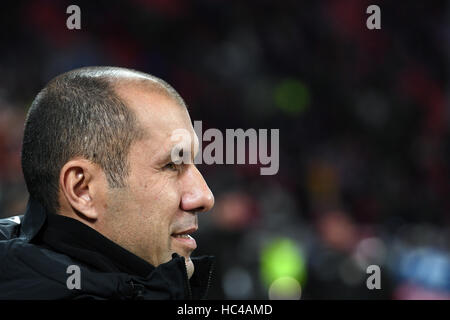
x=285 y=288
x=292 y=96
x=237 y=284
x=282 y=258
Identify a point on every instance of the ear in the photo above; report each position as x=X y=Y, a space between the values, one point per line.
x=80 y=183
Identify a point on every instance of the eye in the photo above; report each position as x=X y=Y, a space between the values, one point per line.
x=171 y=166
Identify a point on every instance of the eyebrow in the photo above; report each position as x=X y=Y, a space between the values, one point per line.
x=168 y=155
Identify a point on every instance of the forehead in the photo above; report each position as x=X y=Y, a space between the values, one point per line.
x=154 y=108
x=158 y=114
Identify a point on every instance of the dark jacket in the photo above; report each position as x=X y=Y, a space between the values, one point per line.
x=36 y=250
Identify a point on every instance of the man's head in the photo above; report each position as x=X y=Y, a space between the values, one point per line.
x=97 y=148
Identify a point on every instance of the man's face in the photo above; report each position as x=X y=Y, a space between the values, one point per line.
x=161 y=199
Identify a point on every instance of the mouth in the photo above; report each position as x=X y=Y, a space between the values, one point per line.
x=184 y=239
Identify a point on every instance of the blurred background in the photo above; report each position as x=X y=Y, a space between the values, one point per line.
x=363 y=117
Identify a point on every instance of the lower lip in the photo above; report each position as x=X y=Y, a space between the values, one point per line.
x=189 y=242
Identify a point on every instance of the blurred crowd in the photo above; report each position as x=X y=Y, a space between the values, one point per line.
x=364 y=130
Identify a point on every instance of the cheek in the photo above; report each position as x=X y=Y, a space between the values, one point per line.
x=159 y=200
x=159 y=192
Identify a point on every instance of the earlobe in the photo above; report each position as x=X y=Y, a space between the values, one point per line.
x=76 y=187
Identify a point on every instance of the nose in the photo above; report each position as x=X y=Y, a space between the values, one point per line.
x=196 y=197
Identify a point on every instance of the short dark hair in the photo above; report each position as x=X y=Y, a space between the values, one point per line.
x=79 y=114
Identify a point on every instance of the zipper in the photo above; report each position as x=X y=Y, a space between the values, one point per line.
x=208 y=284
x=188 y=284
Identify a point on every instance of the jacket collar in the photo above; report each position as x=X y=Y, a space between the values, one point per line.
x=33 y=220
x=85 y=244
x=72 y=237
